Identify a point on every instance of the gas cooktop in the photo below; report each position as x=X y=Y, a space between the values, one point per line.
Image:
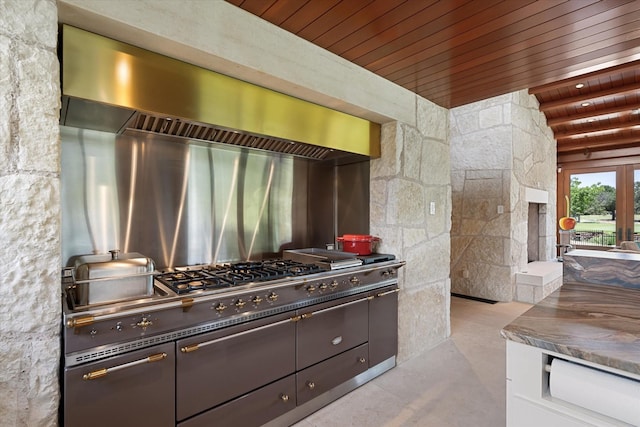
x=188 y=279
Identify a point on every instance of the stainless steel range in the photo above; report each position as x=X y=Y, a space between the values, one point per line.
x=250 y=342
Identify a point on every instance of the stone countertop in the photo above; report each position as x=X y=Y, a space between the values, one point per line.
x=596 y=323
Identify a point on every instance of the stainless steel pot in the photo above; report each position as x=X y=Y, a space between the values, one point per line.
x=112 y=277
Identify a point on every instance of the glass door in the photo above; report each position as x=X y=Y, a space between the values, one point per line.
x=594 y=205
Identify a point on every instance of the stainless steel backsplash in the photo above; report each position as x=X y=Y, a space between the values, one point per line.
x=184 y=203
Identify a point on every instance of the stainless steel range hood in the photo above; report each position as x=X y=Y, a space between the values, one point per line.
x=115 y=87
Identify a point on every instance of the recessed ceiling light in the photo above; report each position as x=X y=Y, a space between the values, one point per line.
x=585 y=104
x=579 y=85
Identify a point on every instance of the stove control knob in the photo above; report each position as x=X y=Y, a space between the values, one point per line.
x=273 y=297
x=323 y=286
x=334 y=284
x=354 y=280
x=256 y=300
x=240 y=303
x=144 y=323
x=389 y=272
x=119 y=326
x=311 y=289
x=220 y=307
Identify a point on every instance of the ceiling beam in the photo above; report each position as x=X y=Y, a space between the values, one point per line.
x=589 y=96
x=601 y=154
x=584 y=131
x=630 y=66
x=585 y=144
x=588 y=114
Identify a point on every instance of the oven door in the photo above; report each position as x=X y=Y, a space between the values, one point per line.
x=136 y=388
x=331 y=329
x=216 y=367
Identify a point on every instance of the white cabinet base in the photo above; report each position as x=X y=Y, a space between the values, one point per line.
x=529 y=403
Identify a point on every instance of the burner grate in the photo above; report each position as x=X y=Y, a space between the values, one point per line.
x=229 y=275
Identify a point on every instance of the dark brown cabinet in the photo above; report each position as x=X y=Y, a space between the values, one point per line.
x=252 y=409
x=133 y=389
x=325 y=332
x=383 y=325
x=217 y=367
x=324 y=376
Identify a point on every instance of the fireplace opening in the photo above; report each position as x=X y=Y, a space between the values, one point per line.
x=533 y=232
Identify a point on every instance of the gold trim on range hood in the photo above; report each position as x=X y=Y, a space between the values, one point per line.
x=106 y=71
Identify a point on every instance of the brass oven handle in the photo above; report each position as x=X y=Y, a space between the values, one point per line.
x=78 y=322
x=104 y=371
x=394 y=291
x=193 y=347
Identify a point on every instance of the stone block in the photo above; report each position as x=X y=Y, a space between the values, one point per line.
x=427 y=262
x=406 y=203
x=438 y=223
x=436 y=163
x=484 y=209
x=413 y=237
x=432 y=120
x=412 y=148
x=490 y=117
x=457 y=180
x=483 y=188
x=389 y=164
x=38 y=105
x=487 y=149
x=32 y=21
x=422 y=319
x=465 y=123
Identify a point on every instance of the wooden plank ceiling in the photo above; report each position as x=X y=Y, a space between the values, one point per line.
x=454 y=52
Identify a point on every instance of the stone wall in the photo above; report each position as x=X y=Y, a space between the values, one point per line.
x=499 y=148
x=411 y=212
x=30 y=220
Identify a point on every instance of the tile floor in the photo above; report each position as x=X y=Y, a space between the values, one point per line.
x=460 y=382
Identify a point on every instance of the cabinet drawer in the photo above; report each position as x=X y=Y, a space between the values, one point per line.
x=212 y=369
x=331 y=331
x=317 y=379
x=383 y=325
x=253 y=409
x=136 y=388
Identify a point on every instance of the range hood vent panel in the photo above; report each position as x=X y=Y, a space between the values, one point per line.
x=180 y=128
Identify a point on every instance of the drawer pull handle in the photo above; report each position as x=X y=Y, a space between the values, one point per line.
x=284 y=397
x=189 y=348
x=311 y=385
x=362 y=359
x=337 y=340
x=104 y=371
x=382 y=294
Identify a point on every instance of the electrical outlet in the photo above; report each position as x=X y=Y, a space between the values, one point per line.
x=432 y=208
x=500 y=209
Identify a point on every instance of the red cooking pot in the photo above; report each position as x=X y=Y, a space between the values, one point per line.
x=360 y=244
